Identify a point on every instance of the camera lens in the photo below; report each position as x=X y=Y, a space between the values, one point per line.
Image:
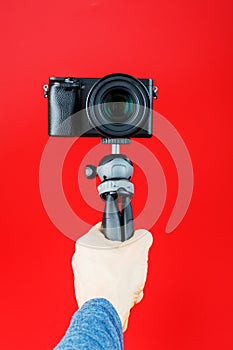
x=117 y=105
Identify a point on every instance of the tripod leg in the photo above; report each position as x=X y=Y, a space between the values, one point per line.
x=127 y=225
x=111 y=225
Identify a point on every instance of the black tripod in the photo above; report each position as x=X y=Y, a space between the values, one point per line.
x=115 y=171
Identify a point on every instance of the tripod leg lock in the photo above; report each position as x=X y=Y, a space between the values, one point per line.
x=120 y=186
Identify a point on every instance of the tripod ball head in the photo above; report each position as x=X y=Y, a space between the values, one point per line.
x=115 y=166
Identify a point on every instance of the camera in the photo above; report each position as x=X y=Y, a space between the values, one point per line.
x=115 y=106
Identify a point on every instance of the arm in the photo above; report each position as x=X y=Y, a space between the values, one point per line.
x=96 y=326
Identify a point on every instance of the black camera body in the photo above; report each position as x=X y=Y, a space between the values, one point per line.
x=115 y=106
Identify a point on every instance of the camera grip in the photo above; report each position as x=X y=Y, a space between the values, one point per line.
x=62 y=106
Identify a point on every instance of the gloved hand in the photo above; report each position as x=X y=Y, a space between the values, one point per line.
x=112 y=270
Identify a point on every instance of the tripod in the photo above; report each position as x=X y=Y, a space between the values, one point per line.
x=115 y=171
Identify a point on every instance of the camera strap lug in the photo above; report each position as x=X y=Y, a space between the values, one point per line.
x=155 y=90
x=46 y=90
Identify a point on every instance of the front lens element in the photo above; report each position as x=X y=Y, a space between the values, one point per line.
x=118 y=105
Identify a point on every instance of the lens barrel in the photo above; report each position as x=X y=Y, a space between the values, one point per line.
x=117 y=105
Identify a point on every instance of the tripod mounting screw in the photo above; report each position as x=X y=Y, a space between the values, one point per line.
x=90 y=171
x=116 y=141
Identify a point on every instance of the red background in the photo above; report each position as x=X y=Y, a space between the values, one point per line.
x=186 y=47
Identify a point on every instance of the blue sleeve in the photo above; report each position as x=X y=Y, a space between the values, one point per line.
x=96 y=326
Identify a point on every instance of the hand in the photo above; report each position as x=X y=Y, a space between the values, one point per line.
x=112 y=270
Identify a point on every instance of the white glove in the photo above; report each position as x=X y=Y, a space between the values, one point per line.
x=112 y=270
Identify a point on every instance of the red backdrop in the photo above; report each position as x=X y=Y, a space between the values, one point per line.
x=186 y=47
